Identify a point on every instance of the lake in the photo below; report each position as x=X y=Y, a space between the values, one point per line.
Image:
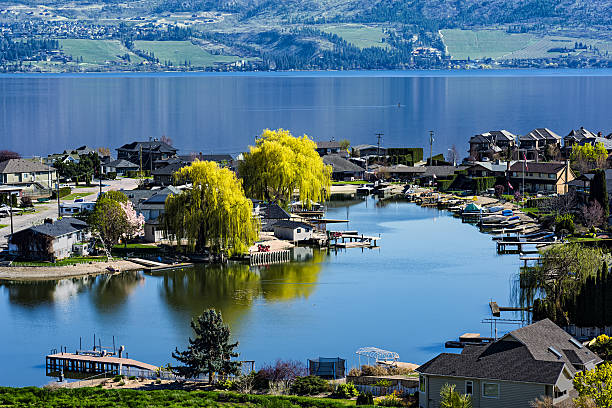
x=430 y=281
x=223 y=113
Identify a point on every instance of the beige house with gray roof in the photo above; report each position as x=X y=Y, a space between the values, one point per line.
x=35 y=179
x=539 y=360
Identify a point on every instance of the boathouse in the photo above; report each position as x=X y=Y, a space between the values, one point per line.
x=292 y=230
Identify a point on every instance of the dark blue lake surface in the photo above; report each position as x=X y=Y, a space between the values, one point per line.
x=223 y=113
x=430 y=281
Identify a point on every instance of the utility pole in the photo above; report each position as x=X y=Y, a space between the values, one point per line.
x=58 y=198
x=378 y=136
x=431 y=140
x=10 y=200
x=100 y=178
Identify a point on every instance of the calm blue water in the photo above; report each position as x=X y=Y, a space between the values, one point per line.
x=222 y=113
x=430 y=281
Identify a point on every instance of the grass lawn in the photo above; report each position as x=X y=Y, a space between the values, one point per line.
x=95 y=397
x=74 y=196
x=97 y=51
x=3 y=225
x=180 y=51
x=359 y=35
x=68 y=261
x=135 y=246
x=476 y=44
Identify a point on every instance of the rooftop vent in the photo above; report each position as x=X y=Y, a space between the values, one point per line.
x=575 y=342
x=555 y=352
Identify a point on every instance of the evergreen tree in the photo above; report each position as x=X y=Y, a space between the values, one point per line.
x=210 y=351
x=599 y=191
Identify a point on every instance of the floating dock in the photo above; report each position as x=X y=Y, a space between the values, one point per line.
x=90 y=364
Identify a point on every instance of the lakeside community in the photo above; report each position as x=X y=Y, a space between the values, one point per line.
x=541 y=196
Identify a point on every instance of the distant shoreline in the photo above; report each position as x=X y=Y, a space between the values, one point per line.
x=497 y=72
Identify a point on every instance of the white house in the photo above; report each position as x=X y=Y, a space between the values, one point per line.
x=292 y=230
x=76 y=207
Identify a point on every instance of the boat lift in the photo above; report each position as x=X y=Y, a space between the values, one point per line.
x=379 y=355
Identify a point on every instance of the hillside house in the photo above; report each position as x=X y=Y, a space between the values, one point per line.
x=365 y=150
x=535 y=143
x=50 y=241
x=149 y=152
x=539 y=360
x=491 y=144
x=331 y=147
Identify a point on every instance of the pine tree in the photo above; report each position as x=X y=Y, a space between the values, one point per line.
x=599 y=191
x=211 y=351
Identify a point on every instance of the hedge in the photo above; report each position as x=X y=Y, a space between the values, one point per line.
x=96 y=397
x=63 y=192
x=480 y=184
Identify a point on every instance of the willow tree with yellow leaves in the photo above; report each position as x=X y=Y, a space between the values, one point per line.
x=214 y=214
x=281 y=165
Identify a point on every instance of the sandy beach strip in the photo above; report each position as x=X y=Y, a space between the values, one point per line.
x=31 y=273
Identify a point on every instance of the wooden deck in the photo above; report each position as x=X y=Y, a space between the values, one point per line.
x=82 y=363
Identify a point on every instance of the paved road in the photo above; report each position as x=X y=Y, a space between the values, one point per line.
x=49 y=210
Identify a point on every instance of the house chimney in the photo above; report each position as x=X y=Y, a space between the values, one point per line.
x=599 y=134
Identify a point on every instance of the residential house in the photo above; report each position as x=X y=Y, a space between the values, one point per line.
x=34 y=178
x=120 y=167
x=270 y=214
x=50 y=241
x=76 y=207
x=343 y=169
x=535 y=361
x=575 y=137
x=331 y=147
x=164 y=176
x=432 y=173
x=598 y=139
x=400 y=171
x=489 y=169
x=149 y=152
x=365 y=150
x=151 y=204
x=550 y=177
x=491 y=144
x=535 y=143
x=292 y=230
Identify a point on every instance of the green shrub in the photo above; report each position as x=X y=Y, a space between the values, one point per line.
x=226 y=385
x=310 y=385
x=63 y=192
x=391 y=400
x=564 y=222
x=346 y=390
x=480 y=184
x=121 y=383
x=383 y=383
x=365 y=399
x=132 y=378
x=111 y=175
x=117 y=378
x=158 y=381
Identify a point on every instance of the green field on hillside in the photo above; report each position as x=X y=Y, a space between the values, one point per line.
x=180 y=51
x=96 y=51
x=477 y=44
x=357 y=34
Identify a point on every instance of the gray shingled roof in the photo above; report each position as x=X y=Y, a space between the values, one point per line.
x=153 y=145
x=542 y=133
x=538 y=337
x=23 y=166
x=401 y=168
x=60 y=227
x=332 y=144
x=340 y=164
x=291 y=224
x=122 y=164
x=169 y=169
x=273 y=211
x=522 y=355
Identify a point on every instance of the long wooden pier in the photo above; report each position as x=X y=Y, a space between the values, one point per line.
x=91 y=364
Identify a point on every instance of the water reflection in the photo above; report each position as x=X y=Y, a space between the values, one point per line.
x=234 y=288
x=43 y=292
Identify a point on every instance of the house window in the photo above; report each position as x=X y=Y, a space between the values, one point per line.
x=551 y=175
x=299 y=230
x=490 y=390
x=469 y=387
x=549 y=391
x=422 y=384
x=559 y=393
